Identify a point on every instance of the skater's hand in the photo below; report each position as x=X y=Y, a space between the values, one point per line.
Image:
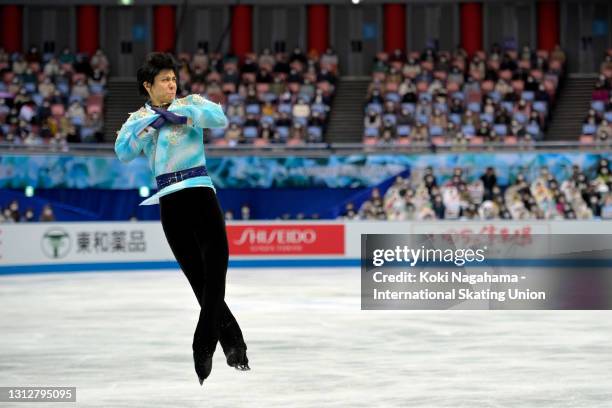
x=147 y=133
x=171 y=117
x=158 y=123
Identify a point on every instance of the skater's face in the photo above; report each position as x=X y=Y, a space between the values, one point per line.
x=163 y=89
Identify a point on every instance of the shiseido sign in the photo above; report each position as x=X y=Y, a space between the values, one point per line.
x=291 y=239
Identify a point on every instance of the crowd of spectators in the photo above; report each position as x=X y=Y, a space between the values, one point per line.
x=443 y=97
x=12 y=213
x=268 y=97
x=582 y=195
x=52 y=99
x=597 y=125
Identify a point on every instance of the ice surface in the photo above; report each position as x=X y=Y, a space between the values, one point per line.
x=124 y=340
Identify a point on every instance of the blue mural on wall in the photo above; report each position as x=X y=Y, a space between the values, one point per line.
x=357 y=171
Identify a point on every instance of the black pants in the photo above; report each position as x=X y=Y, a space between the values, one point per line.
x=195 y=229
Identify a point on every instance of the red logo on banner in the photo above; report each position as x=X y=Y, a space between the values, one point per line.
x=291 y=239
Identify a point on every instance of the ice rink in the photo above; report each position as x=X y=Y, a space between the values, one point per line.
x=124 y=340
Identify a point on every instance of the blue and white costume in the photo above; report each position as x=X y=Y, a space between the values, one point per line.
x=173 y=147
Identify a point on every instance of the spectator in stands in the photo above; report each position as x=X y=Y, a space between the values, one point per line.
x=52 y=68
x=76 y=112
x=4 y=58
x=372 y=120
x=438 y=119
x=28 y=216
x=245 y=212
x=97 y=82
x=266 y=133
x=100 y=62
x=298 y=133
x=234 y=134
x=92 y=129
x=349 y=212
x=32 y=139
x=47 y=214
x=13 y=211
x=604 y=130
x=19 y=65
x=80 y=90
x=301 y=109
x=600 y=93
x=489 y=181
x=6 y=217
x=420 y=133
x=67 y=57
x=46 y=88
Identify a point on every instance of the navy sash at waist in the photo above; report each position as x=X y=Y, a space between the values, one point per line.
x=164 y=180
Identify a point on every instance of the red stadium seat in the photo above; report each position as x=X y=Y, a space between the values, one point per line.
x=505 y=74
x=510 y=140
x=487 y=86
x=452 y=87
x=260 y=142
x=262 y=87
x=228 y=87
x=391 y=87
x=294 y=141
x=518 y=85
x=58 y=110
x=438 y=140
x=403 y=141
x=8 y=76
x=476 y=140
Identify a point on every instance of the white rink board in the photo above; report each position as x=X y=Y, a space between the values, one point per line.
x=134 y=242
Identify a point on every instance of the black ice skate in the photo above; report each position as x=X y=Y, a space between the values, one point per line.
x=203 y=364
x=237 y=358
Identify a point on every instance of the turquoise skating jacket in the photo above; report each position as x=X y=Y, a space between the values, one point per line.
x=173 y=147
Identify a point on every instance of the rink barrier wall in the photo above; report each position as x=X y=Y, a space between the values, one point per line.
x=120 y=246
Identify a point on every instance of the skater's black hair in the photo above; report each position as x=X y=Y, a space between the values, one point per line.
x=153 y=65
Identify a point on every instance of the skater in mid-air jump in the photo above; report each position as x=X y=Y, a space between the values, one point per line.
x=169 y=131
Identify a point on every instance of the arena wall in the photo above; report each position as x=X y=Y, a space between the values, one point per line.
x=120 y=246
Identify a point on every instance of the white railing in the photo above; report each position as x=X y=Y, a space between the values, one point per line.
x=321 y=149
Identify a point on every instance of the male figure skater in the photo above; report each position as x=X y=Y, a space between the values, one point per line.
x=169 y=131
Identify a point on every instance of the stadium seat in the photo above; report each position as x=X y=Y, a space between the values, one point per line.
x=476 y=140
x=588 y=129
x=510 y=140
x=540 y=106
x=599 y=106
x=501 y=129
x=217 y=133
x=253 y=109
x=250 y=132
x=403 y=130
x=528 y=95
x=468 y=130
x=436 y=131
x=315 y=134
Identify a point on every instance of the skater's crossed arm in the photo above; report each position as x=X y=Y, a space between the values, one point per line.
x=134 y=136
x=204 y=113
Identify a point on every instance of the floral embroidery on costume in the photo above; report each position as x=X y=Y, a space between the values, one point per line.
x=140 y=113
x=197 y=99
x=175 y=134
